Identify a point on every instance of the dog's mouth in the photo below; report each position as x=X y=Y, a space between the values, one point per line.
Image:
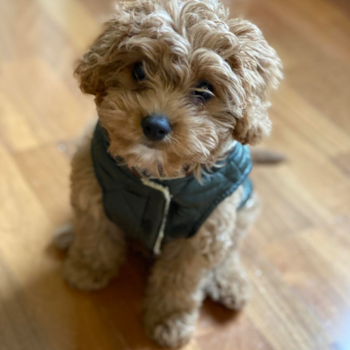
x=153 y=145
x=149 y=145
x=152 y=161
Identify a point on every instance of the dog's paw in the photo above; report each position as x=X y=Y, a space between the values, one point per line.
x=172 y=332
x=235 y=296
x=232 y=291
x=82 y=276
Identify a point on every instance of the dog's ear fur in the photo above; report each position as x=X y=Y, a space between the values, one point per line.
x=93 y=69
x=259 y=69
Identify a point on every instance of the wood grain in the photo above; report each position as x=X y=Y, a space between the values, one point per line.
x=297 y=255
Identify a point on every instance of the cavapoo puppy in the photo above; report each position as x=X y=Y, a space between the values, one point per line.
x=179 y=89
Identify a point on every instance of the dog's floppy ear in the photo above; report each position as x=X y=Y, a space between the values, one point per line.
x=259 y=69
x=96 y=65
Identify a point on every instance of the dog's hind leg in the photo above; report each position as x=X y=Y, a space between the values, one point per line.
x=228 y=283
x=98 y=247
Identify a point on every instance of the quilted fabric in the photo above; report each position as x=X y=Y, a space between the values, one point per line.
x=156 y=211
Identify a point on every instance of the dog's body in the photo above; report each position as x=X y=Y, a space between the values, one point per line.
x=176 y=84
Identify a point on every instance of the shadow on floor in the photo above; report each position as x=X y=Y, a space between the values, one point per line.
x=47 y=314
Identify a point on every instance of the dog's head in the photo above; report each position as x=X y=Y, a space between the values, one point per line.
x=176 y=82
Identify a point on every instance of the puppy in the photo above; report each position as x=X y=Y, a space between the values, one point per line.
x=179 y=90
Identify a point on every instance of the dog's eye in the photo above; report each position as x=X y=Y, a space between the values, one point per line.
x=137 y=72
x=204 y=91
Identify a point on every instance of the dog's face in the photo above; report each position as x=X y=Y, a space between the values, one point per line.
x=176 y=82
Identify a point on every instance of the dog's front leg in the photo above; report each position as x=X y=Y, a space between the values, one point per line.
x=97 y=252
x=174 y=294
x=179 y=277
x=98 y=249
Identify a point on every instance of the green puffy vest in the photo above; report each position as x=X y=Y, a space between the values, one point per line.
x=155 y=211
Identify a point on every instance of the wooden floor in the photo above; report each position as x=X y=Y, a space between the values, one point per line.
x=298 y=255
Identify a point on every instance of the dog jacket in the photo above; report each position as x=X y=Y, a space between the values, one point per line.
x=155 y=211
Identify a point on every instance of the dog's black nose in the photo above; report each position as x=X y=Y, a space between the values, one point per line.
x=155 y=127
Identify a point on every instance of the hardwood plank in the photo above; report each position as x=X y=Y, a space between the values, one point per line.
x=318 y=256
x=51 y=183
x=343 y=162
x=243 y=336
x=18 y=234
x=295 y=327
x=50 y=113
x=15 y=131
x=65 y=13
